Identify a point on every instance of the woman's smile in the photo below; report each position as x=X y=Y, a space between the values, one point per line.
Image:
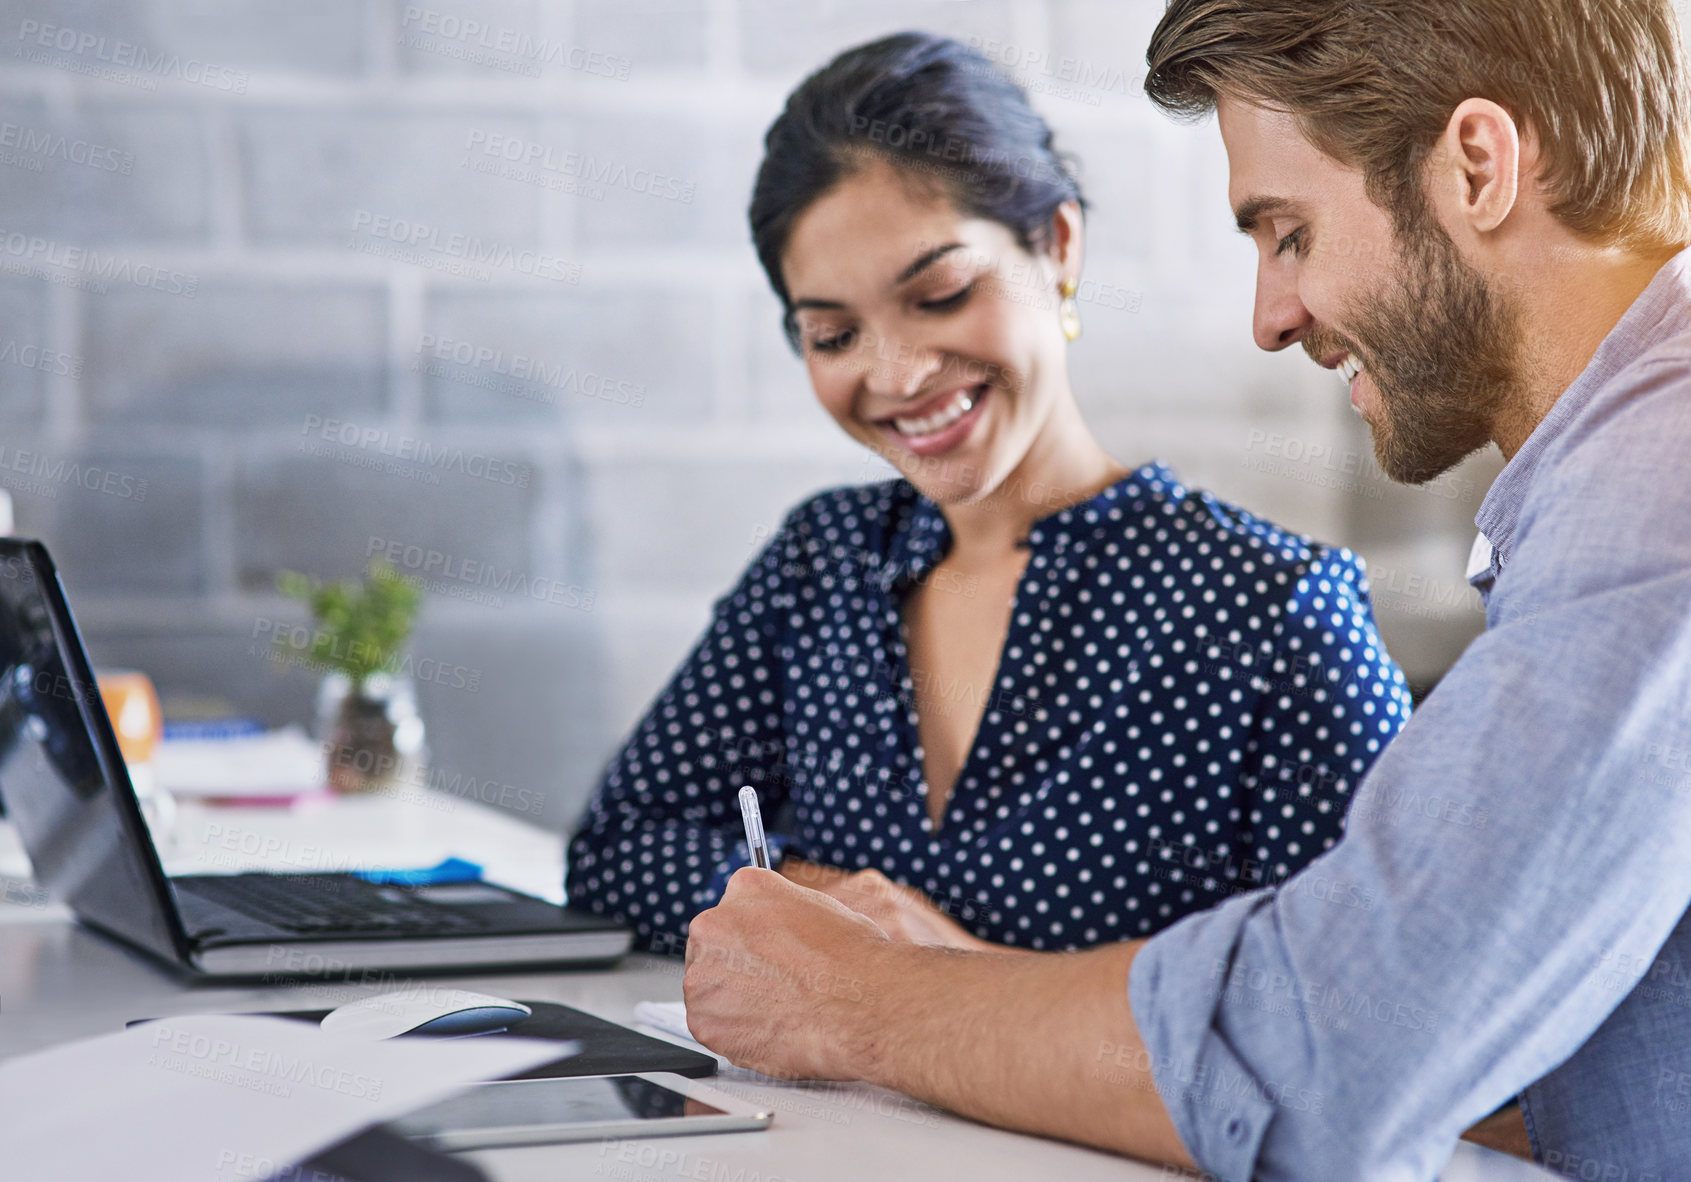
x=937 y=425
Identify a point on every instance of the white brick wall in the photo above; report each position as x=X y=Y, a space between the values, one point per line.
x=260 y=298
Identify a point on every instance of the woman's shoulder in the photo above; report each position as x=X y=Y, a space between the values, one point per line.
x=1312 y=594
x=1246 y=540
x=831 y=538
x=864 y=516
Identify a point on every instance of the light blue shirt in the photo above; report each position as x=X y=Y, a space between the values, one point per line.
x=1527 y=838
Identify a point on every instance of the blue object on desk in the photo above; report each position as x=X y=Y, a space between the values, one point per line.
x=449 y=870
x=212 y=728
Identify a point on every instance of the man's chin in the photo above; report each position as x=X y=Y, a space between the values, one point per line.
x=1404 y=465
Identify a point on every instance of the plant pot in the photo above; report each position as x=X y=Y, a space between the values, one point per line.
x=372 y=738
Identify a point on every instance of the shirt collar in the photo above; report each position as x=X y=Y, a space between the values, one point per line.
x=1655 y=316
x=923 y=538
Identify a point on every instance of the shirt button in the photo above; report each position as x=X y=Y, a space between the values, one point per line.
x=1236 y=1129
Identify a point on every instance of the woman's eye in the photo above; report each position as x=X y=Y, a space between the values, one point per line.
x=833 y=344
x=954 y=300
x=1293 y=242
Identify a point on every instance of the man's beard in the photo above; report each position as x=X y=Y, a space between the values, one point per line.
x=1442 y=348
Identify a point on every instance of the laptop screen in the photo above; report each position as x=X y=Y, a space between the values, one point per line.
x=61 y=776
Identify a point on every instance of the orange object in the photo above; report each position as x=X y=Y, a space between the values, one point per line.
x=133 y=705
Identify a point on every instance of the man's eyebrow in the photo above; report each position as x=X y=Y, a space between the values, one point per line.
x=921 y=264
x=1250 y=211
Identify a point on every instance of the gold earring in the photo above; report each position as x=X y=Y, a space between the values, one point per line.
x=1068 y=312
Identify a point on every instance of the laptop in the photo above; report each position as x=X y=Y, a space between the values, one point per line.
x=66 y=790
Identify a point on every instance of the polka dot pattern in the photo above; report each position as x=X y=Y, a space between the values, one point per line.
x=1185 y=699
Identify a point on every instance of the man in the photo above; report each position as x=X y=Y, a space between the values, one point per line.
x=1479 y=213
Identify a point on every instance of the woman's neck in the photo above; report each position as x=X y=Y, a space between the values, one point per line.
x=1064 y=466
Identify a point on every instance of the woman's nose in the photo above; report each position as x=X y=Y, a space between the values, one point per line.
x=894 y=368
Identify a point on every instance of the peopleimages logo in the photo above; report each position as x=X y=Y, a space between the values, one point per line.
x=431 y=565
x=46 y=360
x=521 y=369
x=578 y=166
x=295 y=644
x=52 y=146
x=485 y=44
x=261 y=1069
x=126 y=55
x=50 y=473
x=382 y=234
x=418 y=451
x=1088 y=75
x=33 y=248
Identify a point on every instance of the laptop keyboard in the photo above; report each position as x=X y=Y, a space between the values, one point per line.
x=330 y=903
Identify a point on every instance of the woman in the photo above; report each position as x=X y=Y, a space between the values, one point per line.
x=1022 y=696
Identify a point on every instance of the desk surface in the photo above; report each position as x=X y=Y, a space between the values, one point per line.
x=59 y=981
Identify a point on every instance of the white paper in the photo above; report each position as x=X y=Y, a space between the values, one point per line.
x=280 y=763
x=223 y=1098
x=667 y=1016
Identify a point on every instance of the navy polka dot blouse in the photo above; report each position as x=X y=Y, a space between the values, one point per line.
x=1185 y=699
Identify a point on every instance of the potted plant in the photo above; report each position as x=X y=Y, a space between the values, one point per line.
x=366 y=707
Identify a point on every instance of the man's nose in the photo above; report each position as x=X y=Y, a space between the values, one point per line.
x=1279 y=319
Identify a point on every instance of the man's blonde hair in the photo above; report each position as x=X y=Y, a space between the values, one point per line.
x=1600 y=83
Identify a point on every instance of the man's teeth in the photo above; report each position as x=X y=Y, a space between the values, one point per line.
x=959 y=406
x=1350 y=367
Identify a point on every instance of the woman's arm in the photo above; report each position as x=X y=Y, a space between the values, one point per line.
x=1331 y=700
x=663 y=831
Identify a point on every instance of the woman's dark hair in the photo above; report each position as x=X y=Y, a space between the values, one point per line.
x=931 y=107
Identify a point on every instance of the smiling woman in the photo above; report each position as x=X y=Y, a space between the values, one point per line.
x=1022 y=695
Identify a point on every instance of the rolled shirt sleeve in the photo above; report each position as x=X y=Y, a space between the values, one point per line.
x=1525 y=858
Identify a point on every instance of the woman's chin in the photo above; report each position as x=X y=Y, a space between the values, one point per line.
x=947 y=494
x=945 y=481
x=956 y=488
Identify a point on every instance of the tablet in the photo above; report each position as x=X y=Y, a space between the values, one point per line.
x=577 y=1108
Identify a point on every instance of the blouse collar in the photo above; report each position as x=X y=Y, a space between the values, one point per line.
x=924 y=538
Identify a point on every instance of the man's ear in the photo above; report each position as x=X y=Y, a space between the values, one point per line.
x=1476 y=167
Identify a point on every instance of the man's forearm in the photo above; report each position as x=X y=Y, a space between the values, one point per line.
x=1043 y=1043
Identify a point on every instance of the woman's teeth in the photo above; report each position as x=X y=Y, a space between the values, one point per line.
x=960 y=405
x=1350 y=367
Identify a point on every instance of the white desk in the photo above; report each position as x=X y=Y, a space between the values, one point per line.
x=59 y=981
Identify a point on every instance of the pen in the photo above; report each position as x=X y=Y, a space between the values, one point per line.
x=750 y=814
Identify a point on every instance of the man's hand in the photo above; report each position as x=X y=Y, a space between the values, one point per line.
x=773 y=980
x=792 y=983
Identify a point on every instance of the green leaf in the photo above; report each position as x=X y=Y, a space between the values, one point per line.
x=361 y=626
